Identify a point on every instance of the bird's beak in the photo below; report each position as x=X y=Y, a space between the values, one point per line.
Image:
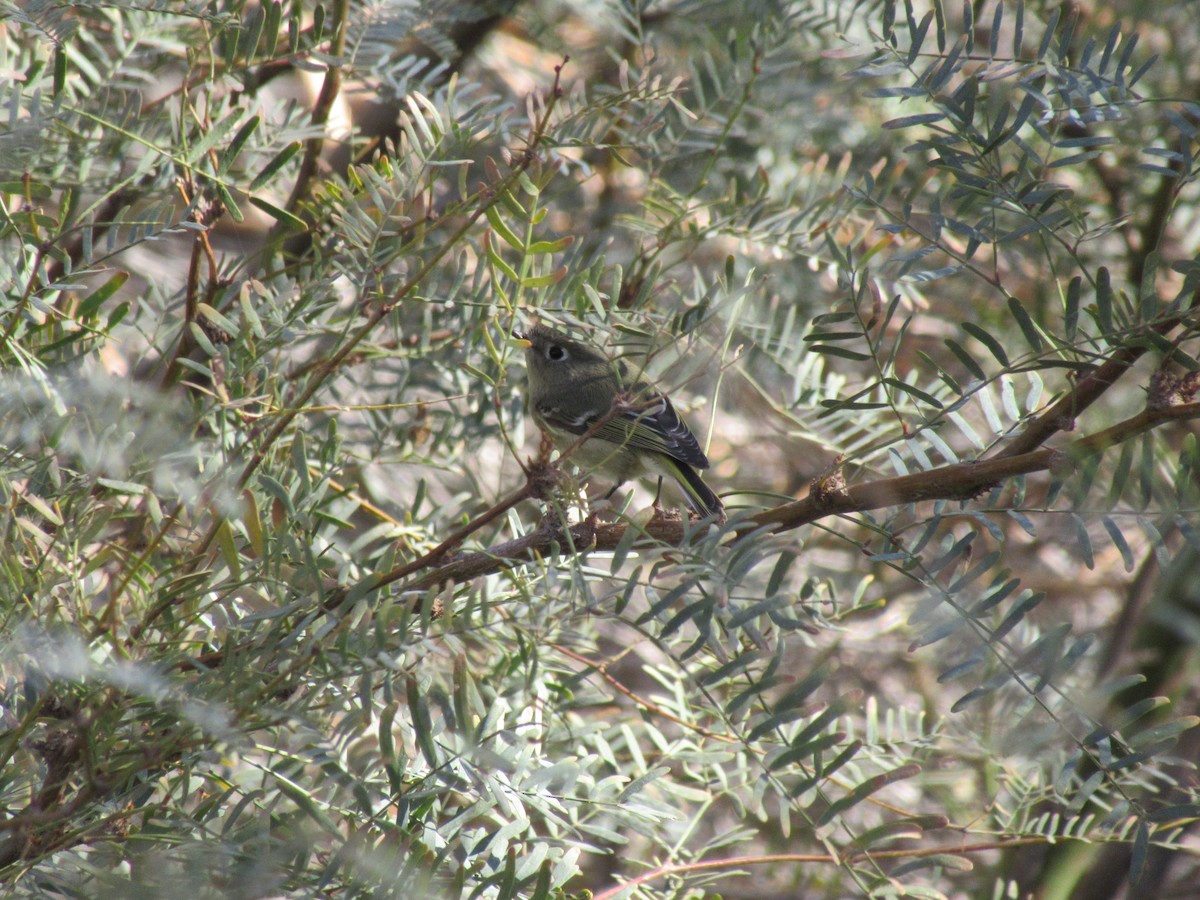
x=522 y=338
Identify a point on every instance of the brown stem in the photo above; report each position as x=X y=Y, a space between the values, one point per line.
x=186 y=343
x=960 y=481
x=331 y=85
x=740 y=862
x=456 y=538
x=1061 y=416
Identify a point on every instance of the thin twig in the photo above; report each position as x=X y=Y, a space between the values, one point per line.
x=602 y=670
x=740 y=862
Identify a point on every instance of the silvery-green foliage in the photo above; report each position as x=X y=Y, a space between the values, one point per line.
x=855 y=241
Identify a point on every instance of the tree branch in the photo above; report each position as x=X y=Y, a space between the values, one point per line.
x=1061 y=416
x=960 y=481
x=775 y=859
x=827 y=496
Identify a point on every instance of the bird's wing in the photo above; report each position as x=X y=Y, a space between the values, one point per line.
x=559 y=420
x=656 y=428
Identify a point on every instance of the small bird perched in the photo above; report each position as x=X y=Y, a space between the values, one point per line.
x=572 y=387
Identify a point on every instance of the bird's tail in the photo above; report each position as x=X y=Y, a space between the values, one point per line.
x=699 y=495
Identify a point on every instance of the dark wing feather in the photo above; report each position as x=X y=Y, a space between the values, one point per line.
x=699 y=495
x=657 y=429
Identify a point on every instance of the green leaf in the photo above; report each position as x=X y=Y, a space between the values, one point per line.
x=498 y=261
x=843 y=352
x=1168 y=731
x=758 y=608
x=44 y=509
x=917 y=393
x=965 y=358
x=635 y=787
x=803 y=689
x=30 y=190
x=904 y=829
x=1085 y=542
x=985 y=338
x=937 y=861
x=1026 y=324
x=827 y=769
x=537 y=281
x=1119 y=541
x=298 y=794
x=779 y=572
x=281 y=159
x=422 y=724
x=60 y=69
x=541 y=247
x=838 y=405
x=501 y=228
x=217 y=318
x=735 y=666
x=1137 y=859
x=1176 y=814
x=280 y=214
x=216 y=133
x=988 y=687
x=92 y=302
x=235 y=146
x=1018 y=612
x=910 y=121
x=201 y=339
x=1104 y=298
x=228 y=547
x=865 y=790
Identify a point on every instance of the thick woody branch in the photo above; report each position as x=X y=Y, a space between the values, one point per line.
x=828 y=496
x=540 y=480
x=960 y=481
x=1061 y=416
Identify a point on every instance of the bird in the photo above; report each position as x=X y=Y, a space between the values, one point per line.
x=574 y=388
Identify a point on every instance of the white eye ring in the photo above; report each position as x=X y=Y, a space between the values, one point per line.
x=555 y=353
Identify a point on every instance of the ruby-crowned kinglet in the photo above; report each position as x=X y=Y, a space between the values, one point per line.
x=573 y=386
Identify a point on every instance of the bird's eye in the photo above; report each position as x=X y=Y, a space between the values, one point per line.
x=555 y=352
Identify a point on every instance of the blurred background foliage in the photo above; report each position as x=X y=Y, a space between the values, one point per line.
x=274 y=622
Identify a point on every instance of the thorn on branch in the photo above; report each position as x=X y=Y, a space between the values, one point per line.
x=1167 y=390
x=830 y=487
x=543 y=476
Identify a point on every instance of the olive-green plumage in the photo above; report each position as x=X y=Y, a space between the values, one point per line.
x=572 y=386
